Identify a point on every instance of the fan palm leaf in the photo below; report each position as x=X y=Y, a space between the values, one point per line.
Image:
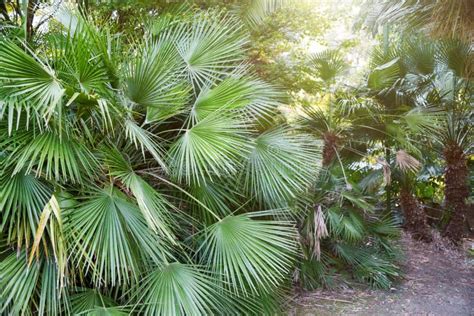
x=180 y=289
x=250 y=255
x=280 y=165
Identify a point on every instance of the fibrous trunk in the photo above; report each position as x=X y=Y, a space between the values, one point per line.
x=456 y=190
x=329 y=150
x=415 y=217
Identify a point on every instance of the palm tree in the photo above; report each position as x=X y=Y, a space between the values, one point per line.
x=448 y=87
x=138 y=176
x=328 y=65
x=389 y=116
x=415 y=217
x=342 y=231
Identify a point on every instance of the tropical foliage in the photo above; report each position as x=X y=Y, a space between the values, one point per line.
x=143 y=176
x=203 y=158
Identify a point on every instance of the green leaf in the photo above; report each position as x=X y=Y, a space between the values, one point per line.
x=211 y=148
x=17 y=283
x=139 y=136
x=32 y=79
x=155 y=80
x=245 y=94
x=154 y=206
x=22 y=199
x=180 y=289
x=250 y=255
x=109 y=238
x=92 y=303
x=60 y=158
x=328 y=64
x=280 y=165
x=212 y=47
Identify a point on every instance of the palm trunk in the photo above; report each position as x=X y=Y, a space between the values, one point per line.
x=32 y=7
x=456 y=178
x=415 y=217
x=329 y=149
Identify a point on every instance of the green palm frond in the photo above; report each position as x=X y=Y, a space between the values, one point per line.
x=211 y=148
x=456 y=56
x=82 y=66
x=212 y=48
x=22 y=199
x=250 y=255
x=280 y=165
x=144 y=139
x=155 y=79
x=18 y=283
x=154 y=207
x=254 y=12
x=328 y=64
x=220 y=197
x=109 y=236
x=23 y=284
x=92 y=302
x=180 y=289
x=244 y=94
x=56 y=158
x=32 y=79
x=420 y=55
x=384 y=76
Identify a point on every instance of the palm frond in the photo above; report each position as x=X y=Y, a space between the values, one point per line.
x=154 y=207
x=22 y=199
x=280 y=165
x=249 y=95
x=56 y=158
x=155 y=80
x=254 y=12
x=32 y=79
x=211 y=148
x=180 y=289
x=328 y=64
x=109 y=237
x=250 y=255
x=212 y=48
x=92 y=302
x=142 y=138
x=23 y=284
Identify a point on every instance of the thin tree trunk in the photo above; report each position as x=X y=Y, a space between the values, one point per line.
x=415 y=217
x=456 y=192
x=30 y=15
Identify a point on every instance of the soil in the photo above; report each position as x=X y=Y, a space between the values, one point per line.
x=438 y=280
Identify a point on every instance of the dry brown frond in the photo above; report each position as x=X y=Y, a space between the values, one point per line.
x=453 y=19
x=320 y=231
x=406 y=162
x=387 y=173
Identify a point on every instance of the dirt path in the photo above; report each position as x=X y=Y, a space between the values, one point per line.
x=438 y=281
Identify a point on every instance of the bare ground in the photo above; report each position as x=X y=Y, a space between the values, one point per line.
x=438 y=280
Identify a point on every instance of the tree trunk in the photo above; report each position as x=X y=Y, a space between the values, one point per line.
x=456 y=192
x=415 y=217
x=329 y=149
x=30 y=15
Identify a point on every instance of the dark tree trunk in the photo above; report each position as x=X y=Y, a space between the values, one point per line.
x=415 y=217
x=456 y=192
x=329 y=149
x=30 y=15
